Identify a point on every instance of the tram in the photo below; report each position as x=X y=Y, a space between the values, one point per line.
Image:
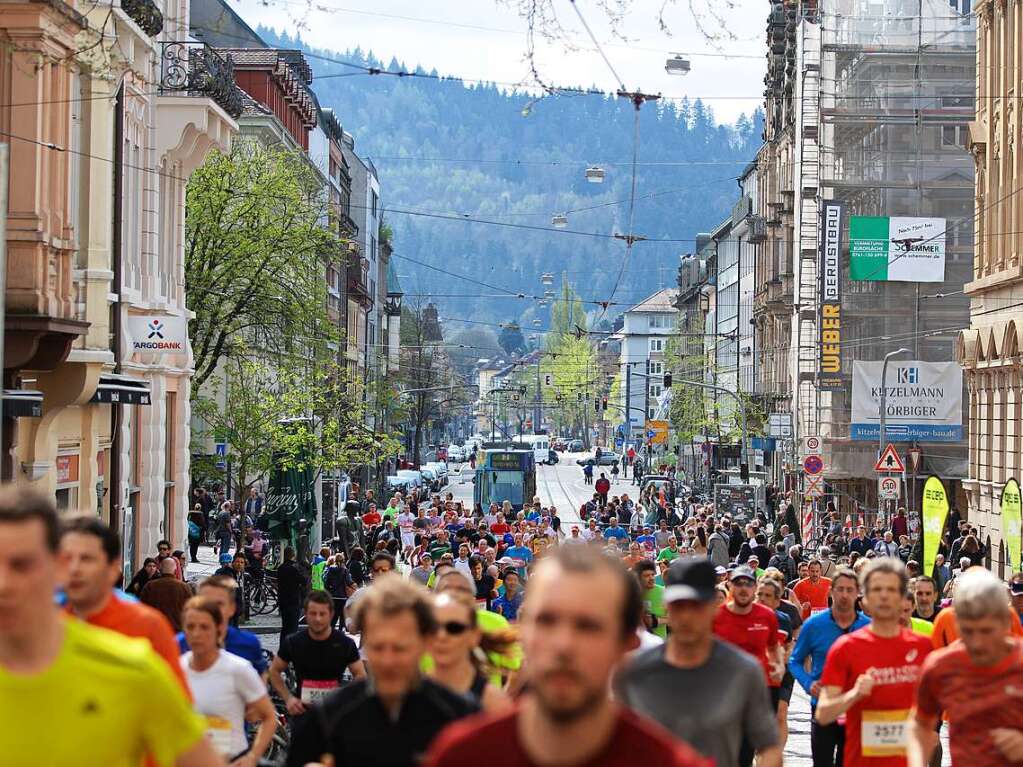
x=505 y=474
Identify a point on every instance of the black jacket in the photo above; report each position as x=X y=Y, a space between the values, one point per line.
x=353 y=726
x=291 y=585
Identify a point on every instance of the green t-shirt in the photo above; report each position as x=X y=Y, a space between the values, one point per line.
x=653 y=602
x=668 y=555
x=438 y=549
x=389 y=512
x=316 y=581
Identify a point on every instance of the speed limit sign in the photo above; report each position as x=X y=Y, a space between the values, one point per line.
x=888 y=488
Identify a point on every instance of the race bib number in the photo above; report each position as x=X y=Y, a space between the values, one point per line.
x=315 y=690
x=884 y=733
x=219 y=732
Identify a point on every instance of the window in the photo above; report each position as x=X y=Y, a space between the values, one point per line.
x=374 y=199
x=655 y=368
x=661 y=321
x=657 y=344
x=655 y=390
x=651 y=413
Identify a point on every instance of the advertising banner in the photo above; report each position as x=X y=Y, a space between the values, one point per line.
x=890 y=249
x=934 y=509
x=1012 y=523
x=158 y=334
x=924 y=401
x=829 y=321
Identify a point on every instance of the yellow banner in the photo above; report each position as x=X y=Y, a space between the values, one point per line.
x=1012 y=522
x=934 y=509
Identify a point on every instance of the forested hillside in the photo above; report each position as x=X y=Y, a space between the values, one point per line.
x=471 y=152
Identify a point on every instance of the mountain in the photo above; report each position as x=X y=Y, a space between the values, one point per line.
x=521 y=170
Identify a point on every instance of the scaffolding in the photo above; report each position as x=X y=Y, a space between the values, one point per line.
x=885 y=98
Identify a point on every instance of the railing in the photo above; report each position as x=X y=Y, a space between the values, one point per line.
x=196 y=69
x=145 y=14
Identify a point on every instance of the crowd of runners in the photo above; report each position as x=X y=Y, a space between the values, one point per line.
x=430 y=633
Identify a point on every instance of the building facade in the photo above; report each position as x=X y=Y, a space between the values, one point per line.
x=645 y=337
x=990 y=349
x=96 y=253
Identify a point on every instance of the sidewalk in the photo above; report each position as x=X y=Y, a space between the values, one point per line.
x=205 y=567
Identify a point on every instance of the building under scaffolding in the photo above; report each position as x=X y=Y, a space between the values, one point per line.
x=868 y=104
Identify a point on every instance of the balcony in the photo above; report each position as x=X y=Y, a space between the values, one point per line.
x=145 y=14
x=358 y=281
x=196 y=69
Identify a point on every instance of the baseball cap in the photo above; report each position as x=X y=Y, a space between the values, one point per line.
x=719 y=571
x=742 y=572
x=690 y=579
x=225 y=559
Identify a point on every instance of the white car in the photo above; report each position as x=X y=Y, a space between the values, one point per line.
x=456 y=454
x=413 y=478
x=440 y=470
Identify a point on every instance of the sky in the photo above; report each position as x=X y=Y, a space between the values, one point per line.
x=487 y=40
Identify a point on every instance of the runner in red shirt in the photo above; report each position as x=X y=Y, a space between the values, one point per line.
x=576 y=629
x=812 y=591
x=751 y=626
x=870 y=675
x=977 y=682
x=372 y=517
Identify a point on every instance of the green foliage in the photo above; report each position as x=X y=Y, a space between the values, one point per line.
x=532 y=167
x=511 y=339
x=255 y=254
x=298 y=417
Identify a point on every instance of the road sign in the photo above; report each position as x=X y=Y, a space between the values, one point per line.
x=813 y=465
x=814 y=485
x=221 y=448
x=811 y=445
x=913 y=458
x=779 y=425
x=657 y=432
x=889 y=460
x=888 y=488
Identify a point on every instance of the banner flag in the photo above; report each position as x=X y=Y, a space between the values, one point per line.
x=1012 y=523
x=934 y=509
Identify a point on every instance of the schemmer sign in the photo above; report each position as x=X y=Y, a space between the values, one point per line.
x=897 y=249
x=829 y=373
x=157 y=334
x=923 y=401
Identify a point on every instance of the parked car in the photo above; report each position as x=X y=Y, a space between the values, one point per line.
x=412 y=478
x=606 y=459
x=456 y=454
x=441 y=470
x=575 y=446
x=559 y=444
x=552 y=458
x=396 y=484
x=442 y=453
x=431 y=479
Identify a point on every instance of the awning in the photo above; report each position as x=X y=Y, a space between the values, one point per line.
x=123 y=390
x=23 y=403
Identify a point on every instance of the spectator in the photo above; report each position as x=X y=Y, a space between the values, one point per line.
x=167 y=593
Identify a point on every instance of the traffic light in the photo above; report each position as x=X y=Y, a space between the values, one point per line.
x=596 y=405
x=579 y=396
x=604 y=403
x=667 y=380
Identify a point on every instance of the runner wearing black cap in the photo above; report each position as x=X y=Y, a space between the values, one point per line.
x=726 y=701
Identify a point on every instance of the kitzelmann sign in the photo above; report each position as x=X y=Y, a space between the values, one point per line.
x=158 y=334
x=829 y=373
x=924 y=402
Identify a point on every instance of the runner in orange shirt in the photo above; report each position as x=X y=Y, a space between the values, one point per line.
x=92 y=552
x=976 y=682
x=946 y=627
x=812 y=591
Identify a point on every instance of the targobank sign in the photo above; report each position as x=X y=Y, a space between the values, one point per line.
x=158 y=334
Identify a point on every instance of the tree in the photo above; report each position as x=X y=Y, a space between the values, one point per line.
x=255 y=254
x=511 y=339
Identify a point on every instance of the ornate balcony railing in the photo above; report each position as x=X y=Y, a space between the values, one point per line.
x=196 y=69
x=145 y=14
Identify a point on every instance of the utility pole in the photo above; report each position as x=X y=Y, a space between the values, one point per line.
x=536 y=404
x=628 y=402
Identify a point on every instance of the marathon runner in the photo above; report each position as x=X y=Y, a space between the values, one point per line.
x=92 y=552
x=816 y=637
x=220 y=589
x=976 y=682
x=319 y=653
x=71 y=693
x=392 y=716
x=812 y=591
x=870 y=675
x=579 y=621
x=725 y=701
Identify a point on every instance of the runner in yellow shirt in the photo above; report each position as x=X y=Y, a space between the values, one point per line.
x=71 y=693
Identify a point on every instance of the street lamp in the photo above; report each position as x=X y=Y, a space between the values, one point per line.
x=677 y=65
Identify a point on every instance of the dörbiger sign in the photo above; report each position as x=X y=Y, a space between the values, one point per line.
x=829 y=373
x=924 y=401
x=158 y=334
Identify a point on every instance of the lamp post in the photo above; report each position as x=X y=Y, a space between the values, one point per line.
x=881 y=409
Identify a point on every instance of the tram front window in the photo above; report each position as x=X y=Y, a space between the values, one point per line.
x=506 y=486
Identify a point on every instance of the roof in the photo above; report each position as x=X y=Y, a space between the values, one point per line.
x=253 y=108
x=661 y=301
x=271 y=57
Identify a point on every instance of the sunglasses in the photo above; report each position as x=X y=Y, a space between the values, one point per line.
x=454 y=628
